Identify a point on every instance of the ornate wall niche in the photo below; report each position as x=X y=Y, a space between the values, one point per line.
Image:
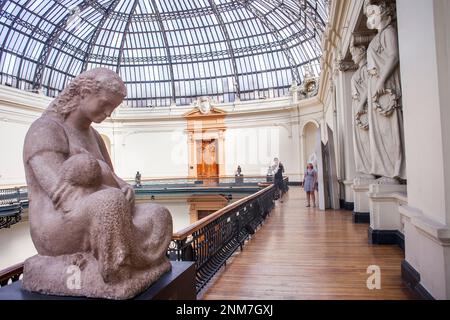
x=206 y=135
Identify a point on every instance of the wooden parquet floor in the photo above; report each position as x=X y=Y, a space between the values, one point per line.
x=304 y=253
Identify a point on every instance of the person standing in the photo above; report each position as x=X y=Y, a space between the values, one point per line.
x=309 y=184
x=278 y=170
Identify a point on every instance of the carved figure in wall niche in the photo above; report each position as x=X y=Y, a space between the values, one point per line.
x=384 y=92
x=361 y=140
x=204 y=104
x=83 y=217
x=137 y=180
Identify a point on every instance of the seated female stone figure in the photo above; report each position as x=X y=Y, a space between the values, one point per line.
x=92 y=240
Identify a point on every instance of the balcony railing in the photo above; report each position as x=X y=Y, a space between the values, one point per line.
x=211 y=241
x=11 y=274
x=12 y=203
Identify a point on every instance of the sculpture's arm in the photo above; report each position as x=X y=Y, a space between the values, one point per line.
x=392 y=61
x=361 y=96
x=45 y=168
x=46 y=149
x=362 y=101
x=124 y=186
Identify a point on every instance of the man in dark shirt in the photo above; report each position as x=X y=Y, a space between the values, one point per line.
x=278 y=178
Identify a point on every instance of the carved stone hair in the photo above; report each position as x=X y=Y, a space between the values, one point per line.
x=357 y=49
x=357 y=43
x=93 y=80
x=387 y=7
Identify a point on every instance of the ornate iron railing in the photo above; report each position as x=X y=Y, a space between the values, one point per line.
x=12 y=202
x=11 y=274
x=209 y=242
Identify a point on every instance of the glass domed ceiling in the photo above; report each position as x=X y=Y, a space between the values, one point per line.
x=166 y=51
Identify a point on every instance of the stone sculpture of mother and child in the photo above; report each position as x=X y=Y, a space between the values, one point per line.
x=84 y=220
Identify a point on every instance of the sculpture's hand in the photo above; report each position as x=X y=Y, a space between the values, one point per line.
x=360 y=111
x=65 y=196
x=380 y=88
x=128 y=191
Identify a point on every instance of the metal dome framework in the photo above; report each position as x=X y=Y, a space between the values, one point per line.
x=166 y=51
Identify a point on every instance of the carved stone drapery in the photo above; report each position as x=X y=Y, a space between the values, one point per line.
x=346 y=65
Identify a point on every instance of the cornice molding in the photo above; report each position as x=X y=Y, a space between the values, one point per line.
x=344 y=16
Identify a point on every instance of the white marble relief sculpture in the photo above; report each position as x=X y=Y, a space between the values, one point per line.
x=361 y=140
x=384 y=95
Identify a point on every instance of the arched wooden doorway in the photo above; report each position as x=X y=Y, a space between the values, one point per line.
x=206 y=139
x=309 y=143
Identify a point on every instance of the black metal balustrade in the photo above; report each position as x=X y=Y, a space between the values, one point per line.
x=12 y=203
x=11 y=274
x=211 y=241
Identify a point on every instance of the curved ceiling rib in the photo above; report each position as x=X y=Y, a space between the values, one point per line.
x=166 y=44
x=269 y=25
x=124 y=36
x=97 y=31
x=50 y=43
x=17 y=17
x=224 y=30
x=166 y=51
x=302 y=14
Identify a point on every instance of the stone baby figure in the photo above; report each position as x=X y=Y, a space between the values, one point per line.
x=83 y=219
x=80 y=175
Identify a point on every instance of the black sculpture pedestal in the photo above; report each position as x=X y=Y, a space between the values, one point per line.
x=177 y=284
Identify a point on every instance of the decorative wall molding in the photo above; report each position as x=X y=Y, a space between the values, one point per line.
x=346 y=65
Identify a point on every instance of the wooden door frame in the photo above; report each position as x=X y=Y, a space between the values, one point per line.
x=200 y=144
x=205 y=127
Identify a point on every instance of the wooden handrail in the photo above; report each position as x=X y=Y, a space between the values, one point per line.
x=12 y=186
x=194 y=178
x=151 y=179
x=182 y=234
x=10 y=273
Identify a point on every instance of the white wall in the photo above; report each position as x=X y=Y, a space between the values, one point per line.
x=12 y=135
x=425 y=101
x=154 y=141
x=310 y=132
x=425 y=73
x=154 y=154
x=15 y=244
x=18 y=109
x=254 y=148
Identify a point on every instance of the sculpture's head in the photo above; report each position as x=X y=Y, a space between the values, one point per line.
x=379 y=13
x=82 y=170
x=96 y=93
x=358 y=53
